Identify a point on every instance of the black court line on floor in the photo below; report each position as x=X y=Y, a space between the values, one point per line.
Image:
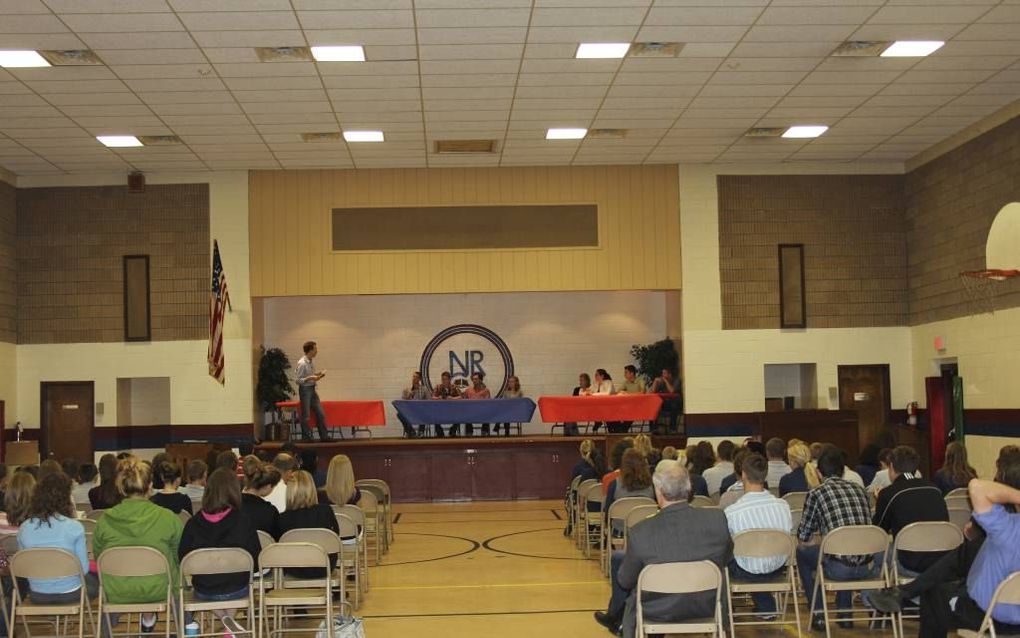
x=556 y=514
x=474 y=547
x=484 y=613
x=396 y=519
x=487 y=544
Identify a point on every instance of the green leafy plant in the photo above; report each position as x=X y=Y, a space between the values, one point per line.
x=653 y=358
x=273 y=384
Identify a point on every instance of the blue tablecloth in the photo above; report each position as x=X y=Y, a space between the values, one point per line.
x=466 y=411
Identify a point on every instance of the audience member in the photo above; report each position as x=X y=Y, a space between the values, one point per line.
x=591 y=464
x=105 y=495
x=414 y=392
x=868 y=464
x=758 y=509
x=669 y=453
x=340 y=487
x=802 y=476
x=168 y=496
x=53 y=524
x=154 y=463
x=478 y=390
x=446 y=391
x=635 y=480
x=86 y=480
x=286 y=465
x=17 y=502
x=29 y=469
x=305 y=512
x=729 y=490
x=226 y=459
x=220 y=524
x=137 y=521
x=909 y=499
x=835 y=503
x=310 y=464
x=615 y=459
x=734 y=477
x=70 y=467
x=47 y=467
x=5 y=476
x=513 y=391
x=678 y=533
x=632 y=383
x=198 y=473
x=643 y=444
x=754 y=446
x=956 y=472
x=775 y=452
x=722 y=468
x=701 y=458
x=259 y=480
x=881 y=480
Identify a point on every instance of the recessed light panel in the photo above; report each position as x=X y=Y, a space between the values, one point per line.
x=602 y=49
x=804 y=132
x=566 y=133
x=119 y=141
x=363 y=136
x=354 y=53
x=912 y=48
x=22 y=59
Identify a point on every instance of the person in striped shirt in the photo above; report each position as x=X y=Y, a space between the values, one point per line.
x=758 y=509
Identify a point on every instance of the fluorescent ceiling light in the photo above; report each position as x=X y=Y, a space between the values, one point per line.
x=912 y=48
x=119 y=141
x=353 y=53
x=602 y=49
x=21 y=59
x=566 y=133
x=363 y=136
x=799 y=132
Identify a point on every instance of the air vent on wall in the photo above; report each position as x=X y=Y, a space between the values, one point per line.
x=606 y=133
x=72 y=57
x=655 y=49
x=761 y=131
x=461 y=147
x=159 y=140
x=860 y=49
x=321 y=137
x=284 y=54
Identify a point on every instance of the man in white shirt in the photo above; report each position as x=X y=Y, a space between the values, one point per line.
x=757 y=509
x=198 y=472
x=723 y=466
x=307 y=378
x=775 y=450
x=287 y=465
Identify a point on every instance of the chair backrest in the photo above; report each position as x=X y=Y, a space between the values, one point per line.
x=928 y=536
x=348 y=527
x=375 y=490
x=795 y=499
x=324 y=538
x=763 y=543
x=585 y=484
x=184 y=516
x=293 y=555
x=217 y=560
x=702 y=501
x=593 y=494
x=1008 y=592
x=265 y=539
x=380 y=484
x=45 y=562
x=369 y=500
x=795 y=516
x=855 y=540
x=619 y=509
x=680 y=578
x=959 y=516
x=961 y=501
x=574 y=482
x=132 y=561
x=88 y=524
x=352 y=512
x=640 y=513
x=960 y=491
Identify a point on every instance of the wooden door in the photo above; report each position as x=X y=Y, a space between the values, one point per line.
x=865 y=388
x=67 y=420
x=450 y=474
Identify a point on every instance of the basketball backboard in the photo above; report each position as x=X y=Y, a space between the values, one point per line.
x=1002 y=250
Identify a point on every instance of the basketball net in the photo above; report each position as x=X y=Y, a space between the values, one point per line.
x=980 y=286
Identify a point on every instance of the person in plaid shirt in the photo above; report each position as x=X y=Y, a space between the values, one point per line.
x=833 y=504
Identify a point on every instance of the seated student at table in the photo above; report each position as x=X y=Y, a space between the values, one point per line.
x=446 y=391
x=583 y=389
x=478 y=390
x=604 y=387
x=513 y=391
x=632 y=384
x=415 y=392
x=672 y=407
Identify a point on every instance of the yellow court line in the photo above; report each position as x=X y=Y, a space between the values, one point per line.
x=565 y=584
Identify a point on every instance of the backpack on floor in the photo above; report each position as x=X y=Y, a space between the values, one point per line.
x=343 y=627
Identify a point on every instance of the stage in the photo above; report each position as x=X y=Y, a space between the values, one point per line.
x=466 y=468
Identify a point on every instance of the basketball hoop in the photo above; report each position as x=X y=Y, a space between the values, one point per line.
x=981 y=286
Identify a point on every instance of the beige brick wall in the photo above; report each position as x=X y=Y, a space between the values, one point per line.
x=8 y=263
x=70 y=246
x=854 y=235
x=950 y=205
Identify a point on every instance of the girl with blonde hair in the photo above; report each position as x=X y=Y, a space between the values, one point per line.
x=340 y=486
x=804 y=476
x=305 y=512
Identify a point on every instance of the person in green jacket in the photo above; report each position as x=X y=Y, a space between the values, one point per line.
x=137 y=521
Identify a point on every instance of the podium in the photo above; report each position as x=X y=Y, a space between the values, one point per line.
x=22 y=453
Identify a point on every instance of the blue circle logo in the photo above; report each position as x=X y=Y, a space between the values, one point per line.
x=463 y=350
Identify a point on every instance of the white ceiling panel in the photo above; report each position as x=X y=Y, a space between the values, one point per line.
x=241 y=38
x=154 y=39
x=368 y=37
x=121 y=22
x=239 y=20
x=494 y=17
x=474 y=35
x=32 y=24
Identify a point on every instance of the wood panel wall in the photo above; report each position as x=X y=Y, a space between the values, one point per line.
x=639 y=231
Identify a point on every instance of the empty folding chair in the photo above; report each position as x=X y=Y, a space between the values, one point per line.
x=1007 y=593
x=349 y=561
x=358 y=516
x=795 y=499
x=369 y=504
x=578 y=513
x=764 y=543
x=385 y=498
x=209 y=561
x=132 y=561
x=330 y=543
x=924 y=536
x=278 y=557
x=592 y=502
x=48 y=563
x=680 y=578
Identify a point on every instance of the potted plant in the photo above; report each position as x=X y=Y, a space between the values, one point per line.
x=653 y=358
x=273 y=386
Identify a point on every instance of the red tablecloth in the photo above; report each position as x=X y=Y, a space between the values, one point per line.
x=345 y=413
x=625 y=407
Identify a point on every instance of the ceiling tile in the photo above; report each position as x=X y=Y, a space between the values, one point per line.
x=355 y=19
x=239 y=20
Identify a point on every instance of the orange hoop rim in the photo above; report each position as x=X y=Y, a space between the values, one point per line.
x=996 y=274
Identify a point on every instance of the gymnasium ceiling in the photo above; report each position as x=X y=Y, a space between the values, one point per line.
x=499 y=69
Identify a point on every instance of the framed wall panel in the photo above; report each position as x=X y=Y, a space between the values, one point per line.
x=137 y=306
x=792 y=298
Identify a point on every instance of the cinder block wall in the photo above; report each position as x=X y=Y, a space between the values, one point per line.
x=70 y=245
x=854 y=235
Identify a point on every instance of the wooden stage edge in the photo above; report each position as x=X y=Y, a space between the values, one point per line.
x=469 y=441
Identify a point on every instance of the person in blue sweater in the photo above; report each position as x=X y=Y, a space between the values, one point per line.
x=51 y=524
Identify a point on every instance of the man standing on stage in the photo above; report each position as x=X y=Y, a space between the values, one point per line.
x=307 y=377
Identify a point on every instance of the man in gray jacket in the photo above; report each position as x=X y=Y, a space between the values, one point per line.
x=678 y=533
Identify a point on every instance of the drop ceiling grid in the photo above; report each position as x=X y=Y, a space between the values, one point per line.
x=499 y=68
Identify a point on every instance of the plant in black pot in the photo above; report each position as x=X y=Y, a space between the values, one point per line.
x=273 y=386
x=653 y=358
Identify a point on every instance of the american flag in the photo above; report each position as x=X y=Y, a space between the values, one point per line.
x=219 y=302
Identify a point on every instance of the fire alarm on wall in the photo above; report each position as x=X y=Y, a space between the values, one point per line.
x=136 y=182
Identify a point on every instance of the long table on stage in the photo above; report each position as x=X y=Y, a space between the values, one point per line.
x=429 y=412
x=617 y=407
x=357 y=415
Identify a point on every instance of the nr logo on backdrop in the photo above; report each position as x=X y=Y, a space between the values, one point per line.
x=463 y=350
